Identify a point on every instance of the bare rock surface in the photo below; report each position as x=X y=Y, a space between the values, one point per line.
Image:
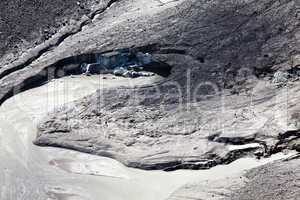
x=220 y=102
x=193 y=119
x=169 y=136
x=25 y=24
x=278 y=180
x=186 y=34
x=217 y=105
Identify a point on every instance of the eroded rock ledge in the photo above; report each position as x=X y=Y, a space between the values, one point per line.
x=164 y=134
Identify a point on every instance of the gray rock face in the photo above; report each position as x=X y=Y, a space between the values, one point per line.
x=207 y=112
x=27 y=23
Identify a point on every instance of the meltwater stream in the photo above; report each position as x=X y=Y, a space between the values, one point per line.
x=45 y=173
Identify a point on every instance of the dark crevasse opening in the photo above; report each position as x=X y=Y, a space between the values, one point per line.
x=125 y=62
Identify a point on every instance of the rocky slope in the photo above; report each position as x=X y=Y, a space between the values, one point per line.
x=25 y=24
x=268 y=32
x=169 y=136
x=218 y=95
x=217 y=105
x=276 y=181
x=279 y=180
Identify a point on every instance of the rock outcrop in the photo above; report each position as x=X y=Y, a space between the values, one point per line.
x=191 y=120
x=217 y=105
